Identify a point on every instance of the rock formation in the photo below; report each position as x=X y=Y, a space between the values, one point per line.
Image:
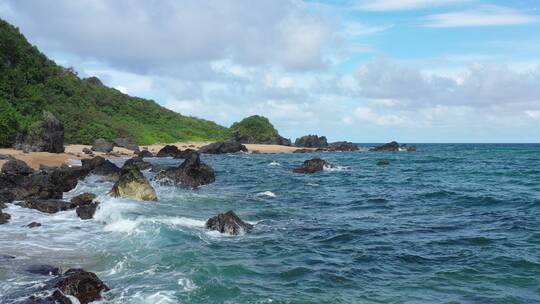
x=191 y=173
x=312 y=166
x=133 y=184
x=228 y=223
x=222 y=147
x=102 y=145
x=48 y=136
x=311 y=141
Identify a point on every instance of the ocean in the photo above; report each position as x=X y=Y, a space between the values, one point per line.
x=449 y=223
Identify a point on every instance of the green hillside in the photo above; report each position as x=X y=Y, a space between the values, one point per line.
x=31 y=83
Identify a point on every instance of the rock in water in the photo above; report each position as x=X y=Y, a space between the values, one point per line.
x=145 y=153
x=222 y=147
x=185 y=154
x=311 y=141
x=393 y=147
x=81 y=284
x=138 y=162
x=133 y=184
x=168 y=151
x=33 y=225
x=312 y=166
x=101 y=166
x=191 y=173
x=47 y=137
x=4 y=217
x=342 y=146
x=87 y=211
x=48 y=206
x=16 y=167
x=228 y=223
x=383 y=162
x=43 y=269
x=102 y=145
x=127 y=143
x=83 y=199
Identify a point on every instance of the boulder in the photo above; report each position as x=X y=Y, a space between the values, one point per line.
x=228 y=223
x=145 y=153
x=311 y=141
x=47 y=137
x=48 y=205
x=191 y=173
x=168 y=151
x=127 y=143
x=101 y=166
x=16 y=167
x=87 y=211
x=44 y=269
x=312 y=166
x=138 y=162
x=133 y=184
x=4 y=217
x=83 y=199
x=102 y=145
x=6 y=197
x=85 y=286
x=388 y=147
x=342 y=146
x=33 y=225
x=222 y=147
x=383 y=162
x=185 y=153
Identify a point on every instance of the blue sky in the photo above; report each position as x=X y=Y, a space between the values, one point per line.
x=364 y=70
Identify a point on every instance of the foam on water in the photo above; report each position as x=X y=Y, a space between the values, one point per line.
x=274 y=163
x=267 y=193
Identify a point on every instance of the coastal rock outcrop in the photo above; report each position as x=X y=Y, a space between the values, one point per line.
x=102 y=145
x=311 y=141
x=168 y=151
x=138 y=162
x=48 y=205
x=16 y=167
x=48 y=136
x=257 y=130
x=312 y=166
x=86 y=207
x=229 y=223
x=127 y=143
x=392 y=147
x=145 y=153
x=185 y=154
x=222 y=147
x=342 y=146
x=191 y=173
x=101 y=166
x=133 y=184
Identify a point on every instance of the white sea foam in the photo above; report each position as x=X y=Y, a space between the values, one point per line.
x=274 y=163
x=337 y=168
x=267 y=193
x=187 y=284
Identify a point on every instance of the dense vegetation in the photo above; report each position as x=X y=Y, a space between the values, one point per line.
x=30 y=83
x=255 y=126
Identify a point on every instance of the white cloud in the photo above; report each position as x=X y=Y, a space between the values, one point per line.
x=396 y=5
x=483 y=16
x=533 y=113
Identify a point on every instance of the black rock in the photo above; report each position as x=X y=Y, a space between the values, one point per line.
x=87 y=151
x=6 y=157
x=389 y=147
x=137 y=162
x=43 y=269
x=312 y=166
x=101 y=166
x=16 y=167
x=168 y=151
x=221 y=147
x=185 y=154
x=342 y=146
x=83 y=199
x=48 y=206
x=305 y=150
x=407 y=148
x=102 y=145
x=127 y=143
x=191 y=173
x=145 y=153
x=228 y=223
x=4 y=217
x=274 y=140
x=33 y=225
x=87 y=211
x=48 y=137
x=311 y=141
x=383 y=162
x=6 y=196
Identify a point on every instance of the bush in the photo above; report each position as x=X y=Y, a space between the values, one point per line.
x=9 y=125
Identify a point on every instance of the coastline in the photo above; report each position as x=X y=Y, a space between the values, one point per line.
x=75 y=152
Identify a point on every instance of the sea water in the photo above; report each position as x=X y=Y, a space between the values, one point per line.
x=450 y=223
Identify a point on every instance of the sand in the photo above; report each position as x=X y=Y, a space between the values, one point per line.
x=75 y=152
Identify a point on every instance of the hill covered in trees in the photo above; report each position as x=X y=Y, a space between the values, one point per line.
x=30 y=83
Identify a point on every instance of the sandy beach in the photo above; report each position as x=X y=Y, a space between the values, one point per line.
x=75 y=152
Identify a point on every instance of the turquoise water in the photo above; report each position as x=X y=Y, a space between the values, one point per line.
x=453 y=223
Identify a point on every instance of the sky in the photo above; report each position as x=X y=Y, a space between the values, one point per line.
x=363 y=71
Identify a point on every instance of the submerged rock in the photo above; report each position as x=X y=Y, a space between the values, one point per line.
x=191 y=173
x=342 y=146
x=102 y=145
x=133 y=184
x=311 y=141
x=228 y=223
x=383 y=162
x=44 y=269
x=16 y=167
x=127 y=143
x=392 y=147
x=47 y=137
x=4 y=217
x=33 y=225
x=222 y=147
x=312 y=166
x=168 y=151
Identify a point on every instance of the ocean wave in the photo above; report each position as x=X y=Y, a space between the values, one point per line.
x=274 y=163
x=336 y=168
x=267 y=193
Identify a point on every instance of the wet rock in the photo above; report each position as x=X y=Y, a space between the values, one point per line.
x=133 y=184
x=145 y=153
x=222 y=147
x=342 y=146
x=48 y=137
x=312 y=166
x=228 y=223
x=43 y=269
x=404 y=147
x=102 y=145
x=304 y=151
x=191 y=173
x=6 y=197
x=185 y=154
x=168 y=151
x=48 y=206
x=383 y=162
x=311 y=141
x=101 y=166
x=16 y=167
x=4 y=217
x=33 y=225
x=83 y=199
x=87 y=211
x=138 y=162
x=127 y=143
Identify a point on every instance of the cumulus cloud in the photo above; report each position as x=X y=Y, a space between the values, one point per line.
x=396 y=5
x=177 y=37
